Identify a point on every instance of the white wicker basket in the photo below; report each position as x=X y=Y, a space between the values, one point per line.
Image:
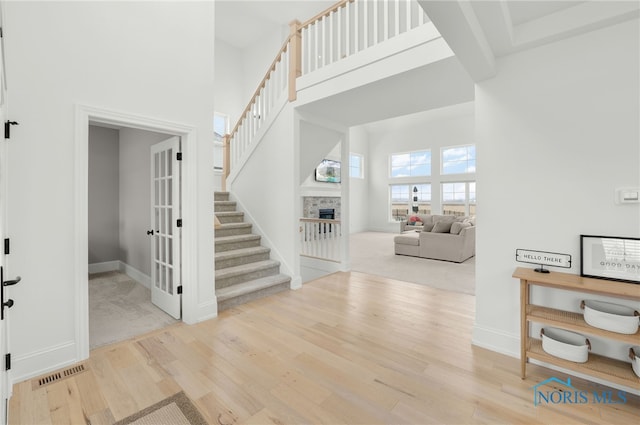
x=611 y=317
x=565 y=344
x=634 y=355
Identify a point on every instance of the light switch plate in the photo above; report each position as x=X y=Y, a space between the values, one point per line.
x=628 y=195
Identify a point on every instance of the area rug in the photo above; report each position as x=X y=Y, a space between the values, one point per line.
x=373 y=253
x=175 y=410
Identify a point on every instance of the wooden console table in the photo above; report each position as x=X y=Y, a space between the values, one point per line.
x=601 y=367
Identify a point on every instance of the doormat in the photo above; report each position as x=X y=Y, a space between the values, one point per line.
x=174 y=410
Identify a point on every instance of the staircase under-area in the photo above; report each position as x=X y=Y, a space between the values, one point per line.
x=244 y=270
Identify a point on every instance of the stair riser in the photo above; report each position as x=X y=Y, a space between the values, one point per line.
x=238 y=261
x=224 y=207
x=245 y=277
x=237 y=245
x=232 y=232
x=231 y=218
x=232 y=302
x=219 y=196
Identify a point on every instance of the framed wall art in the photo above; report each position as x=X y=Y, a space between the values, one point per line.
x=610 y=257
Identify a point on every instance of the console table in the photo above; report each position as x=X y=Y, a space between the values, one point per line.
x=601 y=367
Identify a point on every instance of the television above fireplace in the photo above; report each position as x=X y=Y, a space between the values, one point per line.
x=328 y=171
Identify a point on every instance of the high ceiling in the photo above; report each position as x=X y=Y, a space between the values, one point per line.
x=242 y=23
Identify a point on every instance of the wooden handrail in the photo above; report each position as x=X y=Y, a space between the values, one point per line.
x=266 y=78
x=325 y=13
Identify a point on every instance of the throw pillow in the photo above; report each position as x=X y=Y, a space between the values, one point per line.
x=442 y=227
x=457 y=227
x=426 y=227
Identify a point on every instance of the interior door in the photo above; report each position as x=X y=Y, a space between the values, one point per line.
x=165 y=232
x=4 y=349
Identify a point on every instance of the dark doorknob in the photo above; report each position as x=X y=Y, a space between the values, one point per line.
x=149 y=232
x=12 y=282
x=8 y=303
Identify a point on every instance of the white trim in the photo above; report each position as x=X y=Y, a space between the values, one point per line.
x=106 y=266
x=29 y=365
x=135 y=274
x=84 y=115
x=496 y=340
x=132 y=272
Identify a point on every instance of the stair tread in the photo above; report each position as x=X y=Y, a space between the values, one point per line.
x=246 y=268
x=241 y=252
x=229 y=213
x=224 y=202
x=251 y=286
x=234 y=225
x=236 y=238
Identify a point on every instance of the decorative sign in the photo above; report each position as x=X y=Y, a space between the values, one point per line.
x=543 y=259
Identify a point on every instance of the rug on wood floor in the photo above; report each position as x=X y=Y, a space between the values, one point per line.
x=373 y=253
x=174 y=410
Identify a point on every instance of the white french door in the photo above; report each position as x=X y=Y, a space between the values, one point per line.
x=165 y=232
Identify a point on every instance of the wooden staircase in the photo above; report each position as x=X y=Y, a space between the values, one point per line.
x=243 y=268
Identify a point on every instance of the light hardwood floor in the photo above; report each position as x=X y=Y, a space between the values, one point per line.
x=349 y=348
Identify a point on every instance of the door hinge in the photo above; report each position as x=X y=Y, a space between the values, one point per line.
x=7 y=128
x=179 y=222
x=1 y=32
x=7 y=246
x=7 y=361
x=179 y=290
x=179 y=156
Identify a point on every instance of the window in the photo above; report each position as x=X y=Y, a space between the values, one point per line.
x=407 y=199
x=459 y=159
x=411 y=164
x=355 y=166
x=459 y=198
x=220 y=128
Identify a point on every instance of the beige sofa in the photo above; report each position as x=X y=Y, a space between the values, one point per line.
x=454 y=239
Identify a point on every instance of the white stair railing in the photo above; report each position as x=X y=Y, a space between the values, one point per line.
x=342 y=30
x=321 y=239
x=351 y=26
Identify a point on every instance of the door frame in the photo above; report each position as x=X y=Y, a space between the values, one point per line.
x=84 y=115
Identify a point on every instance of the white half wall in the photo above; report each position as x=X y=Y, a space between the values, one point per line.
x=557 y=132
x=151 y=59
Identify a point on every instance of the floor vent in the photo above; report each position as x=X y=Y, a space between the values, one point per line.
x=57 y=376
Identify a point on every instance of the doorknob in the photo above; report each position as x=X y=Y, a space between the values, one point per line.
x=8 y=303
x=11 y=282
x=149 y=232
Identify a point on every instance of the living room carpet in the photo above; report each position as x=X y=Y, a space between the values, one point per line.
x=174 y=410
x=373 y=253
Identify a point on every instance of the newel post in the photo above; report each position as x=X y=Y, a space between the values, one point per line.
x=226 y=160
x=295 y=57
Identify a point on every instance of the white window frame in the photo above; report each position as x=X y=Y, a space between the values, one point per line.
x=361 y=168
x=467 y=202
x=409 y=201
x=467 y=160
x=410 y=153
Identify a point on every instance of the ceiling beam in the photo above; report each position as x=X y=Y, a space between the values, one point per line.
x=458 y=24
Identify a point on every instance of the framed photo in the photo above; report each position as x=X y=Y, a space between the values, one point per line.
x=610 y=257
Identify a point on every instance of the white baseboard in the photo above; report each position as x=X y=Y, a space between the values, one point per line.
x=107 y=266
x=136 y=274
x=30 y=365
x=116 y=265
x=496 y=340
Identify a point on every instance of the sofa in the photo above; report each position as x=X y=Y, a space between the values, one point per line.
x=440 y=237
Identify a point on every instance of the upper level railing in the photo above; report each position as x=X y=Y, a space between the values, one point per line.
x=340 y=31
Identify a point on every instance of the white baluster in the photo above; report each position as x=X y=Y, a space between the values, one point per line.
x=347 y=30
x=365 y=24
x=397 y=18
x=331 y=38
x=375 y=24
x=385 y=20
x=407 y=9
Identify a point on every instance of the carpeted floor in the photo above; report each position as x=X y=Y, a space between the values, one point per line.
x=372 y=252
x=121 y=308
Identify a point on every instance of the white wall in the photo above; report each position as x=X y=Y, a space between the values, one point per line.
x=266 y=189
x=230 y=96
x=434 y=129
x=258 y=57
x=103 y=196
x=557 y=132
x=359 y=188
x=153 y=59
x=135 y=197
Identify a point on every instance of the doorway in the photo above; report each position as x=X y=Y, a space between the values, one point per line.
x=124 y=256
x=86 y=115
